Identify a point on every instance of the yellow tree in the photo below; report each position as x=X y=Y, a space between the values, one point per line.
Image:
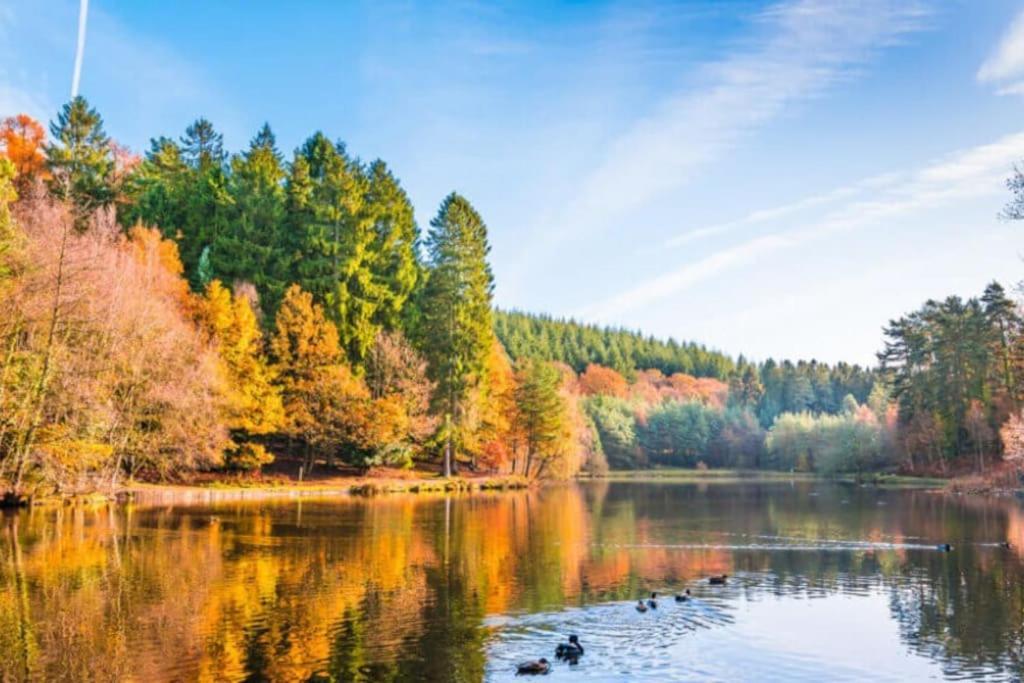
x=327 y=408
x=492 y=440
x=251 y=402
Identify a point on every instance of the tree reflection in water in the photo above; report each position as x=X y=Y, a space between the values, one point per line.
x=408 y=587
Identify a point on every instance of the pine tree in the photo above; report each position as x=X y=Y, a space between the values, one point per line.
x=396 y=239
x=203 y=146
x=80 y=159
x=542 y=413
x=251 y=249
x=456 y=328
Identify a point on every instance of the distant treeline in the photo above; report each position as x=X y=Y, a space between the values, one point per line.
x=769 y=388
x=526 y=335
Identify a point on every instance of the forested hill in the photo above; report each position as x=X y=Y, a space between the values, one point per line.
x=527 y=335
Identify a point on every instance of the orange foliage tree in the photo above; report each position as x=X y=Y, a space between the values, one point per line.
x=103 y=373
x=250 y=401
x=21 y=141
x=598 y=380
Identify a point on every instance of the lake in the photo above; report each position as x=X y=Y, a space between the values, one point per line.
x=825 y=582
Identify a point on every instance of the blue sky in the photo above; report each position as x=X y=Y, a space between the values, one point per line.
x=772 y=178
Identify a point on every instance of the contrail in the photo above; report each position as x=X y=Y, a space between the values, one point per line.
x=83 y=11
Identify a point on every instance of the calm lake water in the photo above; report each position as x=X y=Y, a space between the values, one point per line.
x=826 y=583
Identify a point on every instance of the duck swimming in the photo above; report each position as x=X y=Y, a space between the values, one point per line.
x=1005 y=545
x=541 y=666
x=571 y=650
x=653 y=602
x=718 y=580
x=944 y=547
x=684 y=596
x=640 y=606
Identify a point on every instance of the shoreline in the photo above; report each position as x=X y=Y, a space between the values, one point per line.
x=223 y=489
x=233 y=489
x=148 y=493
x=227 y=488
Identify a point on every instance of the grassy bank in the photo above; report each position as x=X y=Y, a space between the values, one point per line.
x=240 y=489
x=733 y=475
x=685 y=475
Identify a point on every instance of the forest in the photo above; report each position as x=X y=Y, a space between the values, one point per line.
x=192 y=309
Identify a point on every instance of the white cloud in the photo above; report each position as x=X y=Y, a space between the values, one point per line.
x=1006 y=63
x=805 y=47
x=975 y=172
x=1012 y=89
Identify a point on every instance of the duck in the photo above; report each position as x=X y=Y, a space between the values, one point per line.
x=684 y=596
x=1005 y=545
x=718 y=580
x=541 y=666
x=640 y=606
x=570 y=650
x=653 y=602
x=944 y=547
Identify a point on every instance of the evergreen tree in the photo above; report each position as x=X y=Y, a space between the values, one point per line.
x=336 y=230
x=456 y=328
x=203 y=146
x=251 y=249
x=80 y=159
x=542 y=414
x=395 y=245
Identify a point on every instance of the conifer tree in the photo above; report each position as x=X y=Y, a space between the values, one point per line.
x=250 y=249
x=542 y=414
x=80 y=159
x=456 y=327
x=203 y=146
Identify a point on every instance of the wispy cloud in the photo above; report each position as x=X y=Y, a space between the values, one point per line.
x=802 y=48
x=1005 y=65
x=970 y=173
x=761 y=216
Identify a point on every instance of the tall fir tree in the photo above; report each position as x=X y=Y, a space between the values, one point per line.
x=456 y=318
x=80 y=159
x=541 y=413
x=202 y=145
x=250 y=250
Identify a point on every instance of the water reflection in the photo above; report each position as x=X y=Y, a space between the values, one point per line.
x=839 y=580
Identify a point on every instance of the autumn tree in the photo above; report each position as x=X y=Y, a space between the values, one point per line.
x=1012 y=436
x=455 y=328
x=396 y=376
x=22 y=140
x=599 y=380
x=8 y=194
x=490 y=437
x=251 y=402
x=307 y=361
x=328 y=408
x=102 y=374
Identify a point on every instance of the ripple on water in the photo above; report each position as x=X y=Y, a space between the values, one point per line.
x=615 y=635
x=731 y=633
